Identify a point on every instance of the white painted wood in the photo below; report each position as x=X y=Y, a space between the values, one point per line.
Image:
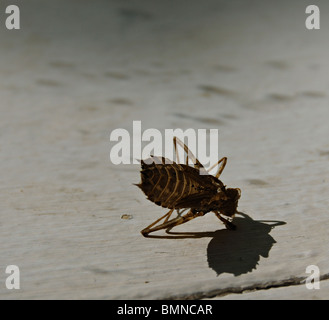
x=252 y=71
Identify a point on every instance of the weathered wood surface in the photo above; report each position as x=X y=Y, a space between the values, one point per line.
x=252 y=70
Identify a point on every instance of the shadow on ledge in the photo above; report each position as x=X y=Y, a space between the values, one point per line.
x=238 y=251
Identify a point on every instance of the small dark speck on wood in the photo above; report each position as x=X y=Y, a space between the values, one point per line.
x=126 y=216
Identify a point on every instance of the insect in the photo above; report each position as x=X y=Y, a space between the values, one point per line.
x=180 y=186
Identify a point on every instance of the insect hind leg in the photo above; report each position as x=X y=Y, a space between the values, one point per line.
x=189 y=155
x=171 y=223
x=146 y=230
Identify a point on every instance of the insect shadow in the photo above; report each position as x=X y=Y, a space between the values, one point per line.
x=236 y=252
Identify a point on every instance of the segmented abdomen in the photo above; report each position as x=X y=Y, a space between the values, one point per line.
x=167 y=185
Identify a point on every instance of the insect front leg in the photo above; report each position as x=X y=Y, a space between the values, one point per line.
x=228 y=224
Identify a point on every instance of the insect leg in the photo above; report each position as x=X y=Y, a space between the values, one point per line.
x=172 y=223
x=228 y=224
x=179 y=212
x=221 y=168
x=175 y=145
x=196 y=162
x=167 y=215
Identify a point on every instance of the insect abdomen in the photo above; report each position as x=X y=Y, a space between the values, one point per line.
x=167 y=184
